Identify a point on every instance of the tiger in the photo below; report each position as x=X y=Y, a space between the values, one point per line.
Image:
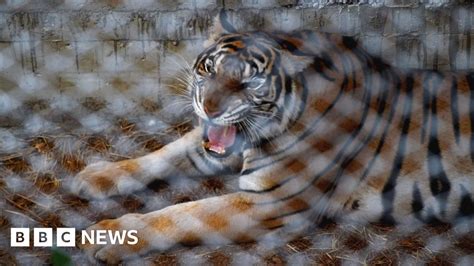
x=312 y=126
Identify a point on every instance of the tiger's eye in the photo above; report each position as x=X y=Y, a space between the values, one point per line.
x=209 y=65
x=253 y=84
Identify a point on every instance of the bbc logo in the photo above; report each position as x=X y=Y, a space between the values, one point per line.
x=66 y=237
x=43 y=237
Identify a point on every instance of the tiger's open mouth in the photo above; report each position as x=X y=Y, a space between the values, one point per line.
x=219 y=140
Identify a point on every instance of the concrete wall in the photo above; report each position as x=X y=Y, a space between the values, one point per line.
x=79 y=44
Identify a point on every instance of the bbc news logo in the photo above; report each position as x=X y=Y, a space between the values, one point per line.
x=66 y=237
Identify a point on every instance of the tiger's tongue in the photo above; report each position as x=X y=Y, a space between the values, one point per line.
x=220 y=138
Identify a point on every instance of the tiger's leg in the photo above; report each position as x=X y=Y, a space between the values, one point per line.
x=237 y=217
x=104 y=179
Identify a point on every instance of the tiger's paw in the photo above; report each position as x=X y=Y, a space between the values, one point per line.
x=105 y=179
x=116 y=240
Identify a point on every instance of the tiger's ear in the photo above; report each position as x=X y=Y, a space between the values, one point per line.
x=220 y=26
x=294 y=64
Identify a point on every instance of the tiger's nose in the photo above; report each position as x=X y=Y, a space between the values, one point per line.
x=211 y=108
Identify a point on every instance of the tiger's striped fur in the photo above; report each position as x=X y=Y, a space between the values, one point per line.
x=323 y=129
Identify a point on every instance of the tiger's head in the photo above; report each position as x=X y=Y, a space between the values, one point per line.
x=243 y=87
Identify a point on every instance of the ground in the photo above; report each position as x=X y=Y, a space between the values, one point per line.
x=43 y=147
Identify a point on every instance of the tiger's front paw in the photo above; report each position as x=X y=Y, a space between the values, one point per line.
x=116 y=240
x=104 y=179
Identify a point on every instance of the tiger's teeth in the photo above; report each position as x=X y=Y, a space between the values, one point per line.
x=216 y=149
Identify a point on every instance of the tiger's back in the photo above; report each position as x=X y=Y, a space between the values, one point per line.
x=380 y=143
